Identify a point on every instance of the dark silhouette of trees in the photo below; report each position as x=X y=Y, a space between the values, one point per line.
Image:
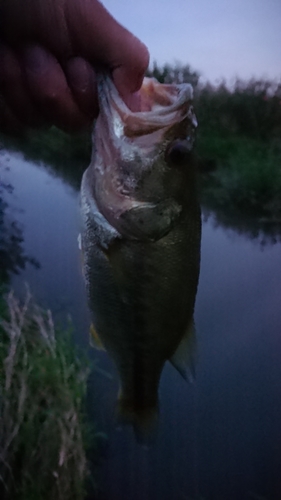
x=251 y=108
x=178 y=73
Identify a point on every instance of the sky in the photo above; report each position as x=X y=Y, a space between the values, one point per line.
x=221 y=39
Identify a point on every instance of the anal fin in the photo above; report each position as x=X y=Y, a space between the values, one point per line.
x=184 y=358
x=95 y=340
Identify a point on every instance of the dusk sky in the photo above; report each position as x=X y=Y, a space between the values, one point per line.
x=218 y=38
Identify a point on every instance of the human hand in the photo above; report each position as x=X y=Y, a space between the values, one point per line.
x=48 y=52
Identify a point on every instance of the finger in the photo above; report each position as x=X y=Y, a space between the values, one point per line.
x=72 y=27
x=103 y=40
x=77 y=27
x=82 y=80
x=13 y=90
x=49 y=89
x=40 y=20
x=129 y=66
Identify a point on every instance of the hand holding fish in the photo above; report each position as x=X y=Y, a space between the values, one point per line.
x=49 y=50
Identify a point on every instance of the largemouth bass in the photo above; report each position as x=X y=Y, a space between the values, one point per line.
x=141 y=239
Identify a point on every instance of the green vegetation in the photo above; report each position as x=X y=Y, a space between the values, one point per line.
x=247 y=179
x=250 y=109
x=42 y=423
x=240 y=132
x=239 y=137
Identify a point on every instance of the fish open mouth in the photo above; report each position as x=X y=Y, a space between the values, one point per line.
x=154 y=95
x=134 y=151
x=161 y=106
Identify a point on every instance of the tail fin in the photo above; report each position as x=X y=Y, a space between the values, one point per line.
x=144 y=420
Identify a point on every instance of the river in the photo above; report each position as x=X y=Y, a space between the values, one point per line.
x=220 y=437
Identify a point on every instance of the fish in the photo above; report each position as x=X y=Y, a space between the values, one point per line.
x=141 y=236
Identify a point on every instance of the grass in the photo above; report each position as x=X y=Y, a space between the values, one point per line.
x=42 y=422
x=247 y=179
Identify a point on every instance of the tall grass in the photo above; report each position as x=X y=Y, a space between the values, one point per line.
x=42 y=391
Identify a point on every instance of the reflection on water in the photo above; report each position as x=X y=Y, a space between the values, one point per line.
x=12 y=257
x=218 y=438
x=262 y=231
x=49 y=215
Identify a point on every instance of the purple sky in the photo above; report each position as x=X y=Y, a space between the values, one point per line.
x=218 y=38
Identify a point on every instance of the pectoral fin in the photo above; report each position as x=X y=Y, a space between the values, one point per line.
x=184 y=357
x=95 y=340
x=149 y=221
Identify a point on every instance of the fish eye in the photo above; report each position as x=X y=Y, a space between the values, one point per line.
x=178 y=154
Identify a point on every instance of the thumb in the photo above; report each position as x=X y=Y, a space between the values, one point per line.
x=98 y=37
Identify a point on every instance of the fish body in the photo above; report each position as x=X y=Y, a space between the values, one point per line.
x=141 y=239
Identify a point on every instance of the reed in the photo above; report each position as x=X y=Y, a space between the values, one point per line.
x=42 y=422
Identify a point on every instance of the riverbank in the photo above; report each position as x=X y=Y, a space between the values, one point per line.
x=44 y=435
x=66 y=155
x=246 y=177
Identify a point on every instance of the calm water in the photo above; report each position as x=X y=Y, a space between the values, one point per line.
x=220 y=438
